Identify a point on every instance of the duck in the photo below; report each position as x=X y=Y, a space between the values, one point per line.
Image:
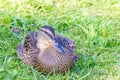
x=47 y=52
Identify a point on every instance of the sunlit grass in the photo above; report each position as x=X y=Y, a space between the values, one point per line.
x=93 y=24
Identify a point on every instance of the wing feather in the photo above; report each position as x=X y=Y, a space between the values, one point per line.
x=28 y=51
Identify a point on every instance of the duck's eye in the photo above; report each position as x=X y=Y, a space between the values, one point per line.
x=46 y=32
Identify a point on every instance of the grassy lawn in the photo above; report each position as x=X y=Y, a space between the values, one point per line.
x=93 y=24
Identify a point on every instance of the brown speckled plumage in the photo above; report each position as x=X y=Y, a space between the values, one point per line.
x=27 y=50
x=38 y=51
x=53 y=61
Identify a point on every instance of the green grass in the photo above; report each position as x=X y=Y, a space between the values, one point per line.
x=93 y=24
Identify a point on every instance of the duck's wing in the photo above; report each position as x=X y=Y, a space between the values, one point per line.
x=28 y=50
x=67 y=44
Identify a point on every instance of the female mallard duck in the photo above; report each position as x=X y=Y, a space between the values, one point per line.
x=47 y=52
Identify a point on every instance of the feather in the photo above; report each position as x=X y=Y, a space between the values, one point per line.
x=47 y=52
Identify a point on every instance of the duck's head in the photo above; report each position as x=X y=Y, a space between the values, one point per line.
x=46 y=37
x=48 y=31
